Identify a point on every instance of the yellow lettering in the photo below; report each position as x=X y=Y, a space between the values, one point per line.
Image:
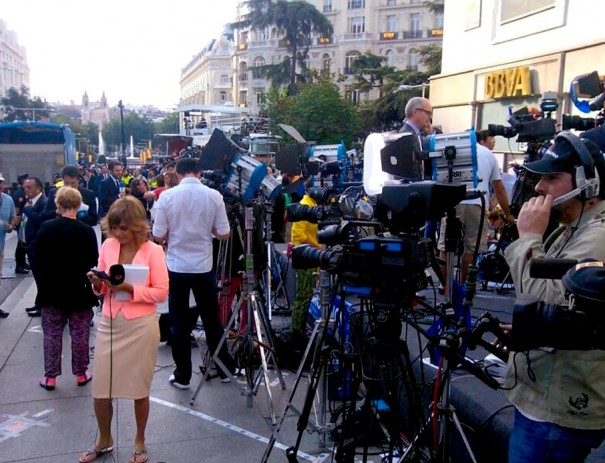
x=489 y=86
x=511 y=77
x=500 y=85
x=522 y=82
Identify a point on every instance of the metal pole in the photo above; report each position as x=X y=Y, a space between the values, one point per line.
x=122 y=146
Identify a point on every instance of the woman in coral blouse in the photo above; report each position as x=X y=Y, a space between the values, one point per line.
x=128 y=335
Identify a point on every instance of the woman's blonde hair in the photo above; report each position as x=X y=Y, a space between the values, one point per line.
x=130 y=212
x=68 y=198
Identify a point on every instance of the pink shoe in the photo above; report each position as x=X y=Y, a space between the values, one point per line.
x=84 y=379
x=48 y=383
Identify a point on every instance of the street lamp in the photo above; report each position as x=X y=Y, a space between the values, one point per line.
x=424 y=85
x=123 y=145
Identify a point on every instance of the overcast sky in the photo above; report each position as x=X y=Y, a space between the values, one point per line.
x=131 y=49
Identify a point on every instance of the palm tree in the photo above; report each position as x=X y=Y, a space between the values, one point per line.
x=297 y=22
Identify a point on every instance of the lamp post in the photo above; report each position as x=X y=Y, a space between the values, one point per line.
x=424 y=85
x=123 y=144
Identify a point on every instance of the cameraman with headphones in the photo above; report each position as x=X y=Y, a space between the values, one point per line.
x=559 y=395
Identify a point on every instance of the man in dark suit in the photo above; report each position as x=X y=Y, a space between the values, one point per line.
x=109 y=188
x=31 y=219
x=88 y=211
x=19 y=199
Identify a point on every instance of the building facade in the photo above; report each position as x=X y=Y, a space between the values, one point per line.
x=208 y=77
x=14 y=71
x=389 y=28
x=97 y=112
x=501 y=55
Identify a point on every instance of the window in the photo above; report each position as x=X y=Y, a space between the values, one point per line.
x=414 y=60
x=391 y=23
x=223 y=97
x=415 y=22
x=356 y=4
x=349 y=59
x=357 y=25
x=439 y=20
x=514 y=9
x=391 y=2
x=390 y=58
x=263 y=35
x=224 y=79
x=258 y=62
x=326 y=62
x=352 y=94
x=259 y=95
x=243 y=71
x=327 y=6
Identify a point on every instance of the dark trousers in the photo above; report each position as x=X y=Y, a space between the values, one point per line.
x=183 y=319
x=20 y=253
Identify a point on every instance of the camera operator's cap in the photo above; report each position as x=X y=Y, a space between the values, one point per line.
x=586 y=281
x=560 y=157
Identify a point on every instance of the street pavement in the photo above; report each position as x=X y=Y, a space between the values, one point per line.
x=57 y=426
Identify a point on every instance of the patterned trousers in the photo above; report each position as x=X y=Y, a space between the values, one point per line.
x=305 y=285
x=53 y=325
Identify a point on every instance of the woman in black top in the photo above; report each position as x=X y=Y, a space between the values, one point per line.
x=66 y=249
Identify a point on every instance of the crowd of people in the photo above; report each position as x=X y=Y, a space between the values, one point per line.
x=164 y=219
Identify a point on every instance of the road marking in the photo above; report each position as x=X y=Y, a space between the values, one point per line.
x=244 y=432
x=15 y=425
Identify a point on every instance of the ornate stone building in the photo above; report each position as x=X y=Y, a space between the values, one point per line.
x=97 y=112
x=14 y=71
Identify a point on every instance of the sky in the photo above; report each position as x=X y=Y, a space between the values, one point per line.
x=133 y=50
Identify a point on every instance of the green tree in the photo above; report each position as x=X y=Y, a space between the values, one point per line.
x=430 y=56
x=18 y=106
x=297 y=22
x=140 y=128
x=318 y=112
x=170 y=124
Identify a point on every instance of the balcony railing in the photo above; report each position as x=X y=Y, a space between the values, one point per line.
x=388 y=35
x=243 y=77
x=413 y=34
x=357 y=36
x=324 y=41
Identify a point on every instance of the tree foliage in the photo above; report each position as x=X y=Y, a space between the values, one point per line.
x=140 y=128
x=170 y=124
x=18 y=106
x=318 y=112
x=297 y=22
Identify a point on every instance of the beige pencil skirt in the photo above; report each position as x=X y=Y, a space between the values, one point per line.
x=125 y=357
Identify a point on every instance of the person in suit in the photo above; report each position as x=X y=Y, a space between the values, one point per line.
x=88 y=211
x=73 y=303
x=109 y=188
x=418 y=116
x=19 y=199
x=7 y=219
x=31 y=219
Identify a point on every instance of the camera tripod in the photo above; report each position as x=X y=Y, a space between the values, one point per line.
x=257 y=333
x=318 y=380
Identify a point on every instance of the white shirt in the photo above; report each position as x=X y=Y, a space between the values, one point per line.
x=488 y=170
x=187 y=213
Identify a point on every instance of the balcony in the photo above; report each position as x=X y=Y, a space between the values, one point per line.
x=243 y=77
x=356 y=36
x=388 y=35
x=413 y=34
x=324 y=41
x=356 y=4
x=242 y=46
x=263 y=44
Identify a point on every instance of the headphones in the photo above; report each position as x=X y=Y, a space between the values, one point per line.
x=586 y=180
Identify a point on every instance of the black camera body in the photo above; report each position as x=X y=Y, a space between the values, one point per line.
x=579 y=325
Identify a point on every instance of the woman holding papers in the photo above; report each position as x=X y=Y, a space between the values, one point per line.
x=128 y=335
x=66 y=249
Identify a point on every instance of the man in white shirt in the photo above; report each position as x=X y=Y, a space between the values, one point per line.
x=469 y=211
x=187 y=217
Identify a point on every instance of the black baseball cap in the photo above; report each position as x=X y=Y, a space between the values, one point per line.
x=560 y=157
x=587 y=281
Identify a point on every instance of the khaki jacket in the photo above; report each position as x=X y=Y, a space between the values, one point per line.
x=569 y=386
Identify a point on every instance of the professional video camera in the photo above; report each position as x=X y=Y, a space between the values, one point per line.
x=529 y=126
x=579 y=325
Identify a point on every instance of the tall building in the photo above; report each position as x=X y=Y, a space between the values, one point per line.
x=505 y=54
x=14 y=71
x=208 y=77
x=389 y=28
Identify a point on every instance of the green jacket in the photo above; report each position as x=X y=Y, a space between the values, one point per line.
x=569 y=386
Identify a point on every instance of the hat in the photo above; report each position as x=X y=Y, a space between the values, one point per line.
x=560 y=157
x=586 y=281
x=1 y=177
